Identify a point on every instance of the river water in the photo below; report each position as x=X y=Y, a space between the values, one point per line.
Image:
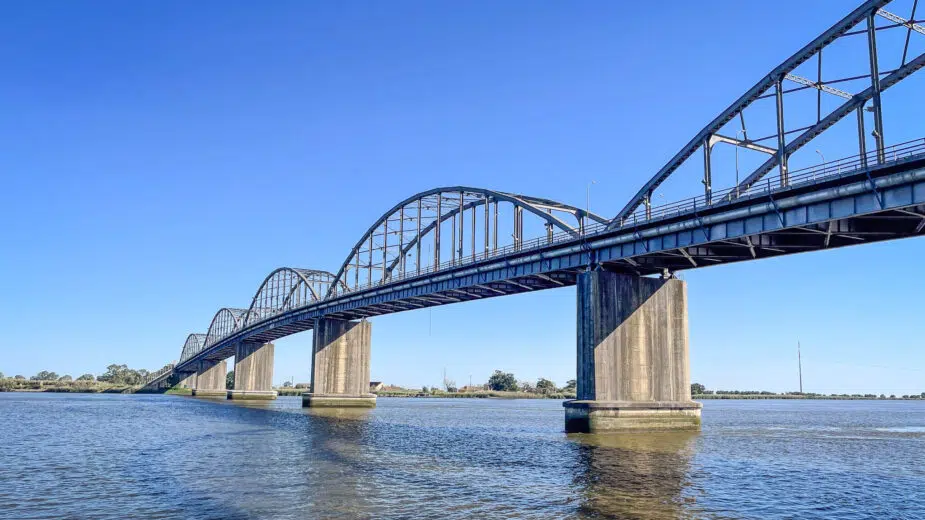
x=134 y=456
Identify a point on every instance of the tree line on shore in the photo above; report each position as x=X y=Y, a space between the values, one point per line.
x=698 y=389
x=114 y=375
x=501 y=381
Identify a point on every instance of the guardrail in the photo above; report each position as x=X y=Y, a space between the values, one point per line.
x=154 y=376
x=805 y=176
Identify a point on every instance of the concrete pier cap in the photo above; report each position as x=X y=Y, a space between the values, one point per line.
x=340 y=365
x=633 y=359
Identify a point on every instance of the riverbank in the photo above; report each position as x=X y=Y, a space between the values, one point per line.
x=856 y=397
x=97 y=387
x=80 y=387
x=476 y=395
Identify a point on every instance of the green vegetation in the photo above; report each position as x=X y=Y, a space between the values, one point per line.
x=478 y=394
x=502 y=382
x=502 y=385
x=698 y=391
x=44 y=375
x=116 y=379
x=545 y=386
x=35 y=385
x=123 y=375
x=229 y=380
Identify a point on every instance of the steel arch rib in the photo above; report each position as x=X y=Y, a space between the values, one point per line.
x=846 y=23
x=236 y=316
x=302 y=274
x=530 y=204
x=192 y=346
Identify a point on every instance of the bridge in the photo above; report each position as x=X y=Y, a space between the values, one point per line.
x=455 y=244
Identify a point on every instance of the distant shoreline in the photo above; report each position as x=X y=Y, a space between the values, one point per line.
x=709 y=397
x=108 y=388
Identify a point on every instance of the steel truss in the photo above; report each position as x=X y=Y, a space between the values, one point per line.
x=778 y=85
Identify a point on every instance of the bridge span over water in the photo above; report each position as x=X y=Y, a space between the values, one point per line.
x=459 y=243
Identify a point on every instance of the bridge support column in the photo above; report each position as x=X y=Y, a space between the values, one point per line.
x=253 y=372
x=187 y=381
x=633 y=364
x=340 y=365
x=210 y=379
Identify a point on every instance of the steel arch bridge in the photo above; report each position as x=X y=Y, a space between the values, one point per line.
x=453 y=244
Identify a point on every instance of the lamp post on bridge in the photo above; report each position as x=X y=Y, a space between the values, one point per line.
x=822 y=164
x=739 y=131
x=588 y=204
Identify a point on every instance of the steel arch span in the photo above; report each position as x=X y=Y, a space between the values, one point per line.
x=193 y=345
x=287 y=288
x=393 y=246
x=226 y=321
x=783 y=84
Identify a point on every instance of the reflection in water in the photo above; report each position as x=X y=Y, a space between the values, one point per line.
x=637 y=475
x=341 y=414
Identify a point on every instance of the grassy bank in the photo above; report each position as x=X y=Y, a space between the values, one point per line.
x=855 y=397
x=82 y=387
x=475 y=395
x=445 y=395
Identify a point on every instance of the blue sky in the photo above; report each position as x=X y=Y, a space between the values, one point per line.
x=161 y=158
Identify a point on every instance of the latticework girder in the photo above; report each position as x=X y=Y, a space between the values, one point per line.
x=781 y=145
x=393 y=247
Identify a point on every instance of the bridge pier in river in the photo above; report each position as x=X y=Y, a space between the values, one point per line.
x=253 y=372
x=340 y=365
x=210 y=378
x=633 y=360
x=188 y=380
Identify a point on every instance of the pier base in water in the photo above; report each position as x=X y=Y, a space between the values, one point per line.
x=252 y=395
x=338 y=401
x=633 y=366
x=210 y=379
x=340 y=365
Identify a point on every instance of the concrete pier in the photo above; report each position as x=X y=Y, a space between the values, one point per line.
x=187 y=380
x=253 y=372
x=633 y=364
x=340 y=365
x=210 y=379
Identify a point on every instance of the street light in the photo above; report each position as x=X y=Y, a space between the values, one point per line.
x=740 y=131
x=823 y=164
x=588 y=203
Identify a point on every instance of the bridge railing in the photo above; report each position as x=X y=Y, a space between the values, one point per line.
x=154 y=376
x=805 y=176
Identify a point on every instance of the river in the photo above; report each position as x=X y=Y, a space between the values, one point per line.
x=136 y=456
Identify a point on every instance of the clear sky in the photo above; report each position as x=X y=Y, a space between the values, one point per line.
x=159 y=159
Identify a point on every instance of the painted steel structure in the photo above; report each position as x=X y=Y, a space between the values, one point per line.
x=454 y=244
